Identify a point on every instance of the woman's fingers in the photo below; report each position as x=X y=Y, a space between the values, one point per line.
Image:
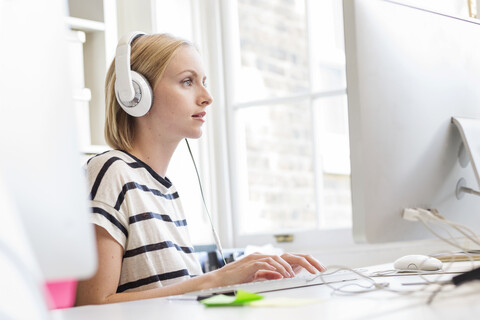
x=287 y=262
x=266 y=275
x=306 y=261
x=281 y=266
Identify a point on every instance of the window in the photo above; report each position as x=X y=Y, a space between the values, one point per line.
x=286 y=100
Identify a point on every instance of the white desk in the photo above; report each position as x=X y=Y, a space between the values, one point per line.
x=460 y=303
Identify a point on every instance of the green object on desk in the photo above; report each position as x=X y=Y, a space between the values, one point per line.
x=241 y=298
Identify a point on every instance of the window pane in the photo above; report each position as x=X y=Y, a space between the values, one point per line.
x=277 y=150
x=273 y=44
x=331 y=123
x=326 y=45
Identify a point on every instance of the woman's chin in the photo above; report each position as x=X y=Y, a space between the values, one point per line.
x=195 y=135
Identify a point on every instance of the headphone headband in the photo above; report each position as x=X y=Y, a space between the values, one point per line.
x=132 y=90
x=124 y=85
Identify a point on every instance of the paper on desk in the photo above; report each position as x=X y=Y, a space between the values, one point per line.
x=254 y=300
x=241 y=298
x=283 y=302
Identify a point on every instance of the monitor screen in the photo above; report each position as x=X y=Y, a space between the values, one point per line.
x=409 y=71
x=40 y=164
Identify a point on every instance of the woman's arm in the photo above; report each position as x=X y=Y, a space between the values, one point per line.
x=102 y=287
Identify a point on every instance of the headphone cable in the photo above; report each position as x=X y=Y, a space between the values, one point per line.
x=215 y=235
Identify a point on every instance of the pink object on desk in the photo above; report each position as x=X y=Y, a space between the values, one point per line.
x=61 y=294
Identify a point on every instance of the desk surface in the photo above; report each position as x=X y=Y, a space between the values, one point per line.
x=451 y=303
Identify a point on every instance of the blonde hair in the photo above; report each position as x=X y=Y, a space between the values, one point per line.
x=150 y=55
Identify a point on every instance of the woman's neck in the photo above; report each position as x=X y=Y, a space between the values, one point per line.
x=156 y=155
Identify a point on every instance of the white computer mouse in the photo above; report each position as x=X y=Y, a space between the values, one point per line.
x=417 y=262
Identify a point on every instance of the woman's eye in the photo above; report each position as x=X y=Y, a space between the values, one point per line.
x=187 y=82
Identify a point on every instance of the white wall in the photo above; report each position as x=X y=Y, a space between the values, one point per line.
x=135 y=15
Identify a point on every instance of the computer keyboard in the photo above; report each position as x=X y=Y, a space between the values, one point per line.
x=301 y=280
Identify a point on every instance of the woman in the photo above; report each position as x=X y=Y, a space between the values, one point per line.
x=144 y=249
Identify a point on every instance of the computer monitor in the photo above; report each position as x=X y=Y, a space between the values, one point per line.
x=409 y=71
x=40 y=164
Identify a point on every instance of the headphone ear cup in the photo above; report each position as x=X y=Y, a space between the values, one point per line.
x=143 y=99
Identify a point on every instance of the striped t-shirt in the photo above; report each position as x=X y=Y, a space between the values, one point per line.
x=142 y=212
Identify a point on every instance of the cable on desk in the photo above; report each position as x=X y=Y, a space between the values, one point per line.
x=371 y=285
x=426 y=217
x=433 y=216
x=457 y=281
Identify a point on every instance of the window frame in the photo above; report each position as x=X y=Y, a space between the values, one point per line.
x=230 y=53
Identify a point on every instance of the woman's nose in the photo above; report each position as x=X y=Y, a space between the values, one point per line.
x=205 y=98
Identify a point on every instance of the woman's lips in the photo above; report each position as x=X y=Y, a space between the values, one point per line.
x=199 y=116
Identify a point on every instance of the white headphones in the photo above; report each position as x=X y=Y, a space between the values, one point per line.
x=133 y=92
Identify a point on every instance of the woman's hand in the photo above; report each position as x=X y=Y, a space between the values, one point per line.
x=258 y=266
